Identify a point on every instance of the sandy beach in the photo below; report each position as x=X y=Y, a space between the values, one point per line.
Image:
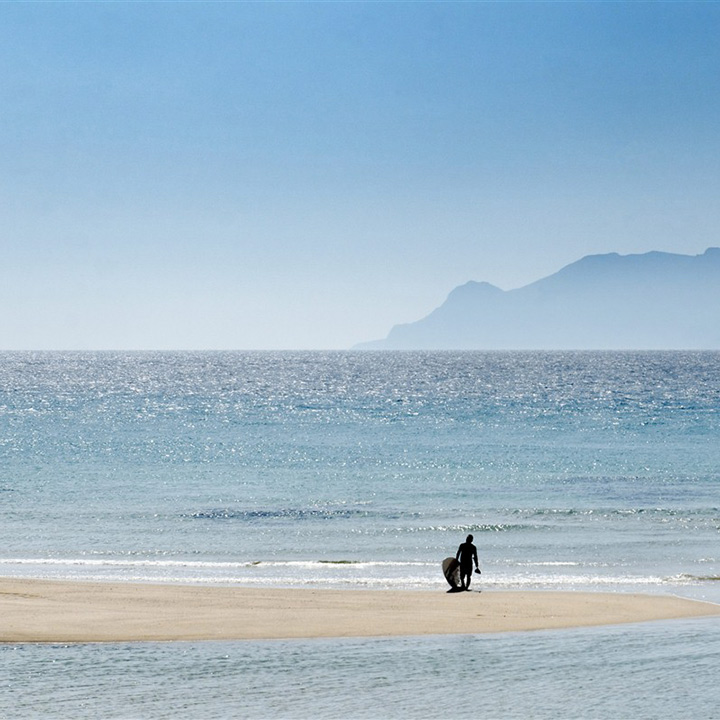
x=66 y=612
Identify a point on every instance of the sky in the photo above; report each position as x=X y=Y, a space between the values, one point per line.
x=305 y=175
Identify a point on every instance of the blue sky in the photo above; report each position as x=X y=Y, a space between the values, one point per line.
x=306 y=175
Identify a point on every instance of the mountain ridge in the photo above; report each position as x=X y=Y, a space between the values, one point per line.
x=654 y=301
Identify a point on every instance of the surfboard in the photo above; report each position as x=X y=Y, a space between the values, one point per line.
x=451 y=571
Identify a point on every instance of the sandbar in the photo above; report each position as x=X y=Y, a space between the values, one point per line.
x=77 y=612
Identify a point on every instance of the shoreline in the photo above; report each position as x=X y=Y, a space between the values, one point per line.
x=52 y=611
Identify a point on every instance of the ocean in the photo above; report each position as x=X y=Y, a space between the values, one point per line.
x=574 y=471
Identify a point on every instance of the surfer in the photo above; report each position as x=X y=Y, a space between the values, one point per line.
x=466 y=555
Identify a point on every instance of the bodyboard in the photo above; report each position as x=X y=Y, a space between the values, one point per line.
x=451 y=571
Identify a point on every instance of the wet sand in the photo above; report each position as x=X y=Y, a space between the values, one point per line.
x=66 y=612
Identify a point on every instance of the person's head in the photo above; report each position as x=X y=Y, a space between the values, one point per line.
x=469 y=538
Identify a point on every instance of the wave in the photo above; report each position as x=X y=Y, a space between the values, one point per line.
x=698 y=578
x=324 y=566
x=519 y=520
x=209 y=564
x=282 y=514
x=553 y=563
x=299 y=514
x=401 y=582
x=614 y=512
x=469 y=528
x=106 y=562
x=337 y=573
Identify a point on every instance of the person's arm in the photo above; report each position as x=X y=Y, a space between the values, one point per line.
x=475 y=558
x=457 y=554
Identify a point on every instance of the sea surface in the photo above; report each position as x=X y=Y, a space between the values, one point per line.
x=574 y=471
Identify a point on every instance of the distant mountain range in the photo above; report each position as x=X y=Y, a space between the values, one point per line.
x=653 y=301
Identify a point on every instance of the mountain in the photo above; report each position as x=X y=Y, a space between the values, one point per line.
x=653 y=301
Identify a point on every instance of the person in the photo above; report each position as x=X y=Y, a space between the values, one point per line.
x=466 y=555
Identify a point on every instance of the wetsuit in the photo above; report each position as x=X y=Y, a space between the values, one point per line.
x=467 y=555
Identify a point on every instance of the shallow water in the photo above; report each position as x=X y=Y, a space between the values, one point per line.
x=637 y=671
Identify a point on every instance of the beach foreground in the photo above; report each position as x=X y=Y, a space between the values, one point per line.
x=64 y=612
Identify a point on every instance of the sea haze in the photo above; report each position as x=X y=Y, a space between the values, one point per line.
x=653 y=301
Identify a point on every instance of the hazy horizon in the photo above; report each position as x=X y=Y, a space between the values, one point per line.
x=305 y=176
